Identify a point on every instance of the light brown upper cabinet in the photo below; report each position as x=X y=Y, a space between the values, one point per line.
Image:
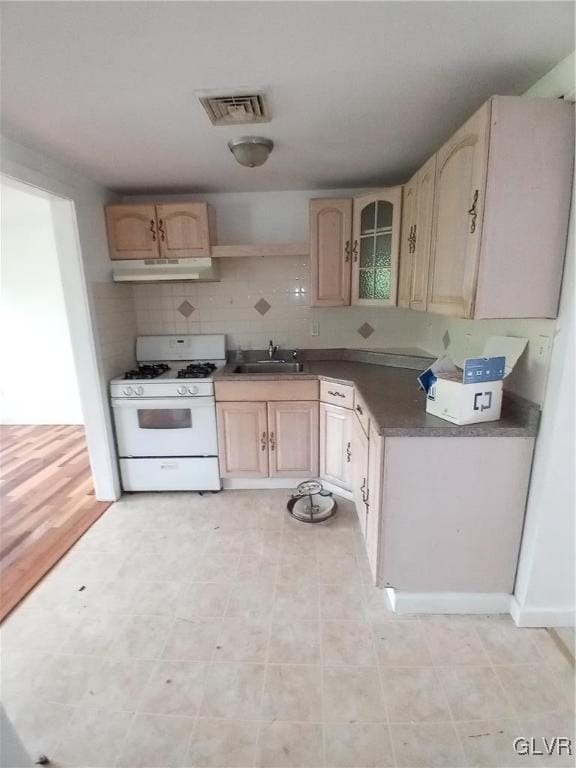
x=375 y=246
x=354 y=247
x=490 y=240
x=422 y=235
x=330 y=251
x=162 y=231
x=457 y=217
x=183 y=230
x=132 y=231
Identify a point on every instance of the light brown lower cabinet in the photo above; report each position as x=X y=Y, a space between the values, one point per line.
x=243 y=439
x=275 y=439
x=293 y=439
x=336 y=445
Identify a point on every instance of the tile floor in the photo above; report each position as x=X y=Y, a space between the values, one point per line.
x=216 y=631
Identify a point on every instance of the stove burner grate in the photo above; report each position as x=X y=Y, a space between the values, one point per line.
x=196 y=371
x=147 y=371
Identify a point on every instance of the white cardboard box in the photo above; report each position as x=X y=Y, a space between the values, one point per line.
x=465 y=403
x=449 y=397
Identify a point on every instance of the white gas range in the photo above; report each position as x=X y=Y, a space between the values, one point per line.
x=165 y=414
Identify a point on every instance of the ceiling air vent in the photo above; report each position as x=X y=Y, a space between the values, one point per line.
x=236 y=109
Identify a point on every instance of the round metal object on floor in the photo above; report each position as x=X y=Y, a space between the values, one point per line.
x=311 y=503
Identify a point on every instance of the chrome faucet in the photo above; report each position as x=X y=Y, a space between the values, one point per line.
x=272 y=349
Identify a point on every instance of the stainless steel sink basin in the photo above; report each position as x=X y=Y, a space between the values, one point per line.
x=270 y=366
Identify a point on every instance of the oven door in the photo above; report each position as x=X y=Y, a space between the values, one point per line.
x=165 y=427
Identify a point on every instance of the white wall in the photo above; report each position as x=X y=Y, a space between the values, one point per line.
x=34 y=336
x=83 y=252
x=545 y=583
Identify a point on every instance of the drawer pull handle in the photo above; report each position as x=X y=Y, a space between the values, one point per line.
x=360 y=411
x=348 y=453
x=272 y=443
x=336 y=394
x=263 y=441
x=153 y=230
x=347 y=251
x=161 y=230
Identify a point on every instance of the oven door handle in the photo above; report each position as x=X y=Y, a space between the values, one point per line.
x=163 y=403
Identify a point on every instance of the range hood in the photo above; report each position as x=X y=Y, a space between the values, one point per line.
x=156 y=270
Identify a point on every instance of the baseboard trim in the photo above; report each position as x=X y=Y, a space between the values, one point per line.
x=448 y=602
x=259 y=483
x=548 y=618
x=336 y=490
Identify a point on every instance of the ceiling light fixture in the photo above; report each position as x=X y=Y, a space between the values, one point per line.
x=251 y=151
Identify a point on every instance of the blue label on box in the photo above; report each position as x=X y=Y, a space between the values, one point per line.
x=484 y=369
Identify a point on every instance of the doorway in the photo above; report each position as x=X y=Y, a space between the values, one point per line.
x=47 y=497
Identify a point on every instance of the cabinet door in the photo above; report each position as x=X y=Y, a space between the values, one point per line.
x=422 y=235
x=407 y=241
x=293 y=438
x=336 y=445
x=132 y=231
x=183 y=230
x=376 y=242
x=360 y=471
x=457 y=218
x=242 y=439
x=330 y=251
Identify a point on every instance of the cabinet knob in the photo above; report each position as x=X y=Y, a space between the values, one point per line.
x=359 y=409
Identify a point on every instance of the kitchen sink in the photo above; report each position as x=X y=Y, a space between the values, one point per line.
x=269 y=366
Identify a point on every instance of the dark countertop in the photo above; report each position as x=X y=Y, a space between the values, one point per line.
x=397 y=407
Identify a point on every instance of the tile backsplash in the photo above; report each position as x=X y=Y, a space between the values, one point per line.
x=262 y=298
x=116 y=325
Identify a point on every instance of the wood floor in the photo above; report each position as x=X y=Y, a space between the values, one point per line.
x=46 y=503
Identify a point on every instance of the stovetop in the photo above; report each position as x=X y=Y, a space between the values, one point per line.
x=180 y=369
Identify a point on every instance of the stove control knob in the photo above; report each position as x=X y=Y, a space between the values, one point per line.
x=128 y=390
x=139 y=390
x=182 y=390
x=193 y=390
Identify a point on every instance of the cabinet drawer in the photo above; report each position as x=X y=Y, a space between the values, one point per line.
x=337 y=394
x=265 y=391
x=361 y=412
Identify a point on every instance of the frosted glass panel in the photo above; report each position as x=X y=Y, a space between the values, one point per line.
x=368 y=218
x=367 y=251
x=366 y=285
x=382 y=284
x=383 y=250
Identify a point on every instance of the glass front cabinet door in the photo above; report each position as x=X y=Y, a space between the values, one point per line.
x=375 y=246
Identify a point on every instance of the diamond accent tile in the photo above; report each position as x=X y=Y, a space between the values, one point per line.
x=262 y=306
x=365 y=330
x=186 y=309
x=446 y=340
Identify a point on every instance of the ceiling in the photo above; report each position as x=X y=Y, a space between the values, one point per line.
x=360 y=92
